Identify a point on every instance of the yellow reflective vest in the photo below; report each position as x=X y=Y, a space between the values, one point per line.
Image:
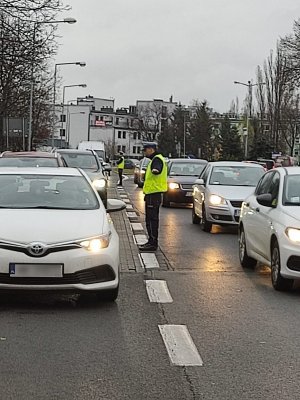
x=156 y=183
x=122 y=164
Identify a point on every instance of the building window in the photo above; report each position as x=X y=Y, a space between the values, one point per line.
x=134 y=149
x=124 y=134
x=119 y=135
x=139 y=136
x=117 y=121
x=101 y=118
x=119 y=148
x=139 y=150
x=124 y=149
x=134 y=135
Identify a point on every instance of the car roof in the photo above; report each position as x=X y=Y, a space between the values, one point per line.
x=32 y=154
x=234 y=164
x=76 y=151
x=61 y=171
x=289 y=170
x=188 y=160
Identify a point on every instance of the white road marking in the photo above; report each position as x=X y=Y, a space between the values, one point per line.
x=140 y=239
x=129 y=207
x=123 y=195
x=136 y=226
x=180 y=346
x=126 y=200
x=131 y=214
x=149 y=260
x=158 y=291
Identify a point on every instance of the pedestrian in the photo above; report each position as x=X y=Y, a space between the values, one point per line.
x=121 y=165
x=154 y=186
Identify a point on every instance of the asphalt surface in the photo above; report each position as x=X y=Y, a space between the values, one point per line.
x=73 y=347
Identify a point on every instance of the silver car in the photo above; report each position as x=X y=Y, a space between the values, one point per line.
x=220 y=191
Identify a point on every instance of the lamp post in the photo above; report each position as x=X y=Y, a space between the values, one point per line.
x=250 y=86
x=63 y=106
x=81 y=64
x=68 y=20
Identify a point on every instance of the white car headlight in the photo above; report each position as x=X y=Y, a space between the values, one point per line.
x=99 y=183
x=293 y=234
x=216 y=200
x=173 y=185
x=96 y=244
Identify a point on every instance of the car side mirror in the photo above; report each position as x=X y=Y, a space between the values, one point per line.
x=265 y=199
x=114 y=205
x=200 y=182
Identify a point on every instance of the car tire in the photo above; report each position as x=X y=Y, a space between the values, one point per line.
x=104 y=200
x=135 y=180
x=195 y=219
x=245 y=260
x=108 y=295
x=165 y=202
x=140 y=184
x=278 y=281
x=205 y=225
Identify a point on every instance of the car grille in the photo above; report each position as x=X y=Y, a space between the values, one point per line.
x=50 y=250
x=187 y=187
x=219 y=217
x=236 y=203
x=102 y=273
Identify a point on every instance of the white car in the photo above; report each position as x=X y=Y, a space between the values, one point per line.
x=55 y=233
x=269 y=230
x=220 y=190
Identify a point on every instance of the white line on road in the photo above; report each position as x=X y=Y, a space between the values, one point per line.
x=129 y=207
x=126 y=200
x=140 y=239
x=158 y=291
x=180 y=346
x=123 y=195
x=131 y=214
x=136 y=226
x=149 y=260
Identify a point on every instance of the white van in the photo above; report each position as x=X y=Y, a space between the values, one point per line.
x=97 y=146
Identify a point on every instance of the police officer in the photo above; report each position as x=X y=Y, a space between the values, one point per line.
x=155 y=184
x=121 y=165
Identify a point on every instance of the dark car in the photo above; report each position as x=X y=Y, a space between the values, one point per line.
x=31 y=159
x=130 y=163
x=182 y=174
x=140 y=171
x=88 y=161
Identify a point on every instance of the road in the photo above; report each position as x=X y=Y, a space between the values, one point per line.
x=69 y=347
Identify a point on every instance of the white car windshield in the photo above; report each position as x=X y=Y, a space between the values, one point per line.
x=84 y=161
x=291 y=191
x=28 y=162
x=186 y=169
x=236 y=176
x=48 y=192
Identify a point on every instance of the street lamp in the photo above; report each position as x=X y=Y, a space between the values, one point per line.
x=68 y=20
x=81 y=64
x=249 y=85
x=63 y=106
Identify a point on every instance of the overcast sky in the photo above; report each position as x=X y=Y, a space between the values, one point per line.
x=191 y=49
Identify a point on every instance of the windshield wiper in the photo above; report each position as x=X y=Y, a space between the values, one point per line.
x=291 y=203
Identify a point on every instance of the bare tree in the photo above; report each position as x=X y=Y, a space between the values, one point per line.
x=151 y=118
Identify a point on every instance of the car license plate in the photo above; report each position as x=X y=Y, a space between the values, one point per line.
x=36 y=270
x=189 y=194
x=237 y=213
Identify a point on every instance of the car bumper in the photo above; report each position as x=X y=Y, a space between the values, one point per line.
x=179 y=196
x=223 y=215
x=290 y=258
x=81 y=270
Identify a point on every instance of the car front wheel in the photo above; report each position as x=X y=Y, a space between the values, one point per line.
x=108 y=295
x=195 y=219
x=278 y=281
x=205 y=225
x=245 y=260
x=165 y=202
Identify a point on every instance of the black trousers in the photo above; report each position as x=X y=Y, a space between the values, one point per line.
x=152 y=204
x=120 y=176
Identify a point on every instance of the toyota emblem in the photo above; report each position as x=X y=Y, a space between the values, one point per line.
x=37 y=249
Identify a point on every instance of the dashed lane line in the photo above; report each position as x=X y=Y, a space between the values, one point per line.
x=132 y=215
x=137 y=227
x=129 y=207
x=140 y=239
x=180 y=346
x=126 y=200
x=158 y=291
x=149 y=260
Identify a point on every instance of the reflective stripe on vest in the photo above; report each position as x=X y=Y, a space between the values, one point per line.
x=122 y=164
x=156 y=183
